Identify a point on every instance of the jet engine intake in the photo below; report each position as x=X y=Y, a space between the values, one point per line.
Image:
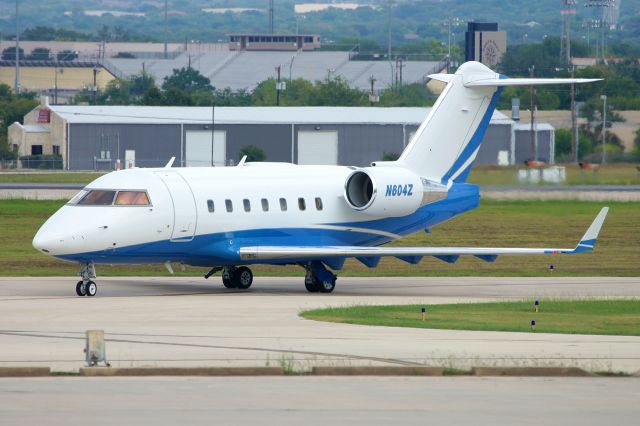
x=384 y=191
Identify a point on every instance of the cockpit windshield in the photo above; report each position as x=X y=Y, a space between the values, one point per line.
x=108 y=197
x=98 y=198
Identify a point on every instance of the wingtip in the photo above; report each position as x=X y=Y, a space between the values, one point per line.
x=588 y=240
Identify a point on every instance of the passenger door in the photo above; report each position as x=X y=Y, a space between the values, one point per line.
x=184 y=206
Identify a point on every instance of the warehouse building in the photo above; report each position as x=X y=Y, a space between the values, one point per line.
x=101 y=137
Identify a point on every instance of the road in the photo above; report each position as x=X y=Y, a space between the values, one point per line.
x=320 y=401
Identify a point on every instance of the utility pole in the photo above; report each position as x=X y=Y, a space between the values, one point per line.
x=17 y=84
x=271 y=16
x=373 y=98
x=534 y=141
x=604 y=127
x=278 y=87
x=574 y=120
x=165 y=29
x=389 y=40
x=95 y=85
x=389 y=31
x=213 y=126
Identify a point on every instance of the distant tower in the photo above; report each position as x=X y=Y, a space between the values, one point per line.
x=567 y=11
x=606 y=16
x=271 y=16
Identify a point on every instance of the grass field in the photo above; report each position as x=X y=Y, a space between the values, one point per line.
x=609 y=174
x=516 y=223
x=613 y=317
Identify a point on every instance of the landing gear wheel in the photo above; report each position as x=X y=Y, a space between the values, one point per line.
x=228 y=282
x=243 y=278
x=310 y=283
x=91 y=288
x=326 y=286
x=81 y=289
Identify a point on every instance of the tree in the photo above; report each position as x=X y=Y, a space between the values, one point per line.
x=40 y=54
x=337 y=92
x=153 y=96
x=139 y=84
x=9 y=54
x=187 y=79
x=415 y=94
x=253 y=153
x=12 y=108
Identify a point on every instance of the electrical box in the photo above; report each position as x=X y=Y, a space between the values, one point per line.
x=95 y=350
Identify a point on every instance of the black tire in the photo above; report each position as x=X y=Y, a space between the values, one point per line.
x=228 y=282
x=81 y=289
x=91 y=288
x=311 y=285
x=326 y=286
x=243 y=278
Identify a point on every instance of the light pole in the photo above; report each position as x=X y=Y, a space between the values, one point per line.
x=604 y=126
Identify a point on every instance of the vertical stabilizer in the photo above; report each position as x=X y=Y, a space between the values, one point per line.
x=446 y=144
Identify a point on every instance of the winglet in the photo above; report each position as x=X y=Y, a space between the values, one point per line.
x=588 y=240
x=170 y=163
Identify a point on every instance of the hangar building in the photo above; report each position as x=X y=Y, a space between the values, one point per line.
x=95 y=137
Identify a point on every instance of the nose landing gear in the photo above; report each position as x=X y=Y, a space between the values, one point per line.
x=87 y=287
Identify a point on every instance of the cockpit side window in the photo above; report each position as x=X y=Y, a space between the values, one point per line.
x=78 y=197
x=98 y=198
x=132 y=198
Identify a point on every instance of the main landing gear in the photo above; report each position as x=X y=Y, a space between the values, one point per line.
x=86 y=286
x=232 y=277
x=318 y=278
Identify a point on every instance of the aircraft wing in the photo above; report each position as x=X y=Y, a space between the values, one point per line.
x=414 y=254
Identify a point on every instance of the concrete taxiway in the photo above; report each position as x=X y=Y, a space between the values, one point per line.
x=193 y=322
x=320 y=401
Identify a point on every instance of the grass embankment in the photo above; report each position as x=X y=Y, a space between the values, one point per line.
x=61 y=177
x=614 y=317
x=494 y=224
x=609 y=174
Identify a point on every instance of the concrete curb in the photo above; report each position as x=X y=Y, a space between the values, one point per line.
x=377 y=371
x=24 y=371
x=169 y=371
x=531 y=372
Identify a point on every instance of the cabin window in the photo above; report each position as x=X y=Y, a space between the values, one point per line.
x=247 y=205
x=265 y=205
x=98 y=198
x=283 y=204
x=302 y=205
x=229 y=205
x=318 y=203
x=210 y=206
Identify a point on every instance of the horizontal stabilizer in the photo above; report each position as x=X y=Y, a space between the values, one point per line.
x=370 y=256
x=498 y=81
x=528 y=81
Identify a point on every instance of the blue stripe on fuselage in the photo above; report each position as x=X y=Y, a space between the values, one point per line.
x=223 y=248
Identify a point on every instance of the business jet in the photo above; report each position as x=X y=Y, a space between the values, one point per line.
x=226 y=218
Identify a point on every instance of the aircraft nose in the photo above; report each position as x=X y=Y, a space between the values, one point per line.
x=43 y=242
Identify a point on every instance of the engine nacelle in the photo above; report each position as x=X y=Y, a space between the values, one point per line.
x=384 y=191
